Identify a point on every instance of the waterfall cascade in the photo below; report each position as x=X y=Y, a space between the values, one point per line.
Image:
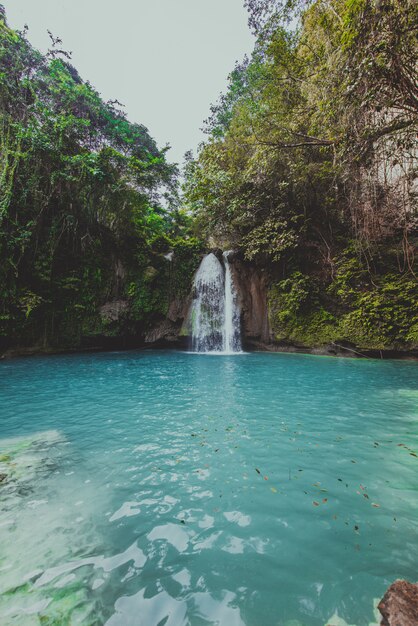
x=215 y=311
x=232 y=324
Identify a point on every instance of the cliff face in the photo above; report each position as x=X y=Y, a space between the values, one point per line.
x=171 y=329
x=275 y=316
x=252 y=287
x=272 y=318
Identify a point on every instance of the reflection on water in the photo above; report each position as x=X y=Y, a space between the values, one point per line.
x=167 y=488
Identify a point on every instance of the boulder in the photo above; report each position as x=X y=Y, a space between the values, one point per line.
x=165 y=330
x=399 y=606
x=113 y=311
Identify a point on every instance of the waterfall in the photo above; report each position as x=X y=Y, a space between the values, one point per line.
x=232 y=330
x=215 y=313
x=208 y=312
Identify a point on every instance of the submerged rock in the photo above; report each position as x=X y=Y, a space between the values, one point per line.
x=399 y=606
x=38 y=536
x=22 y=459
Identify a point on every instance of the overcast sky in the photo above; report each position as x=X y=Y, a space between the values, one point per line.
x=165 y=60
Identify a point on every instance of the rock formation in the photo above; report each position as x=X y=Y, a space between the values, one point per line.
x=399 y=606
x=252 y=291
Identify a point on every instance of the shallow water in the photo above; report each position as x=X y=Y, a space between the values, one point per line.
x=181 y=489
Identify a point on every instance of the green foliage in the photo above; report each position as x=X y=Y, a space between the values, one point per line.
x=152 y=289
x=296 y=313
x=299 y=174
x=373 y=312
x=307 y=169
x=385 y=315
x=81 y=191
x=275 y=235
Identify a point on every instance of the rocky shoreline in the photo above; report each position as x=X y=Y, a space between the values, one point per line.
x=340 y=350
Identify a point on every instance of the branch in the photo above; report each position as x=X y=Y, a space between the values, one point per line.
x=300 y=144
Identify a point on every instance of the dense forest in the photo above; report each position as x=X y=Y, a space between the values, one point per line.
x=308 y=172
x=88 y=207
x=309 y=168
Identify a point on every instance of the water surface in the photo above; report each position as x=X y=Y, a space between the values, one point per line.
x=170 y=489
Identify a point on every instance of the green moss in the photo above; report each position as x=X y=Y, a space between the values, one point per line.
x=385 y=315
x=375 y=312
x=296 y=314
x=151 y=292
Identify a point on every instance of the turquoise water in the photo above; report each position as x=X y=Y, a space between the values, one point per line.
x=165 y=489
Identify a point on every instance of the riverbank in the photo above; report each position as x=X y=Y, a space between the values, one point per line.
x=340 y=350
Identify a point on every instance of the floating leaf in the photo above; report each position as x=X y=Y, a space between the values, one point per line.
x=315 y=503
x=376 y=506
x=273 y=489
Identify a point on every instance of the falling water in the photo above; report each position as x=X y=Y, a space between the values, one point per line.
x=232 y=334
x=215 y=313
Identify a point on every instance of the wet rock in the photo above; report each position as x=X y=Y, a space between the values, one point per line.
x=178 y=309
x=165 y=330
x=3 y=478
x=113 y=311
x=399 y=606
x=118 y=279
x=251 y=285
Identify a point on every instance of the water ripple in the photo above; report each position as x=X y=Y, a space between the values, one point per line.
x=177 y=489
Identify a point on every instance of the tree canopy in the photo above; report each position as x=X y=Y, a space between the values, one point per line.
x=311 y=153
x=83 y=191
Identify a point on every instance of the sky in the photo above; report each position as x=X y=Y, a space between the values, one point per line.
x=165 y=60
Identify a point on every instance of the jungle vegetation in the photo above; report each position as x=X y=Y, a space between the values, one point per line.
x=310 y=168
x=88 y=205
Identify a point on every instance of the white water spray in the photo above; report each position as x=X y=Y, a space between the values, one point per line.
x=215 y=311
x=232 y=330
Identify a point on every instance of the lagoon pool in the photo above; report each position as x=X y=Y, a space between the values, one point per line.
x=166 y=489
